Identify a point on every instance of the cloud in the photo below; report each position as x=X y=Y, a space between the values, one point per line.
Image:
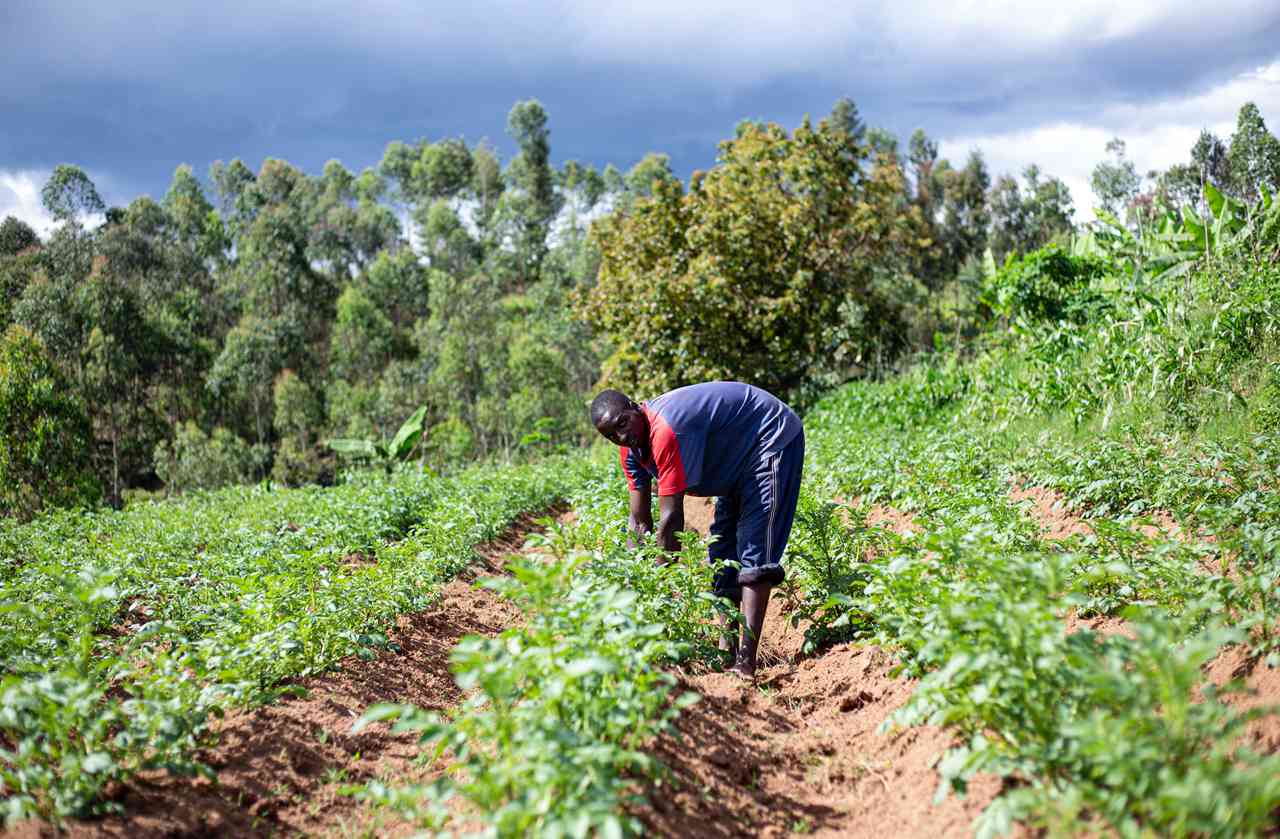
x=135 y=88
x=1157 y=134
x=20 y=197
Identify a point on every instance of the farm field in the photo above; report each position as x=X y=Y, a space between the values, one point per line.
x=1031 y=587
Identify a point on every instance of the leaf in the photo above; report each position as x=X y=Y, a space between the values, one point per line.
x=590 y=664
x=988 y=264
x=1216 y=199
x=408 y=435
x=353 y=448
x=612 y=828
x=380 y=713
x=97 y=762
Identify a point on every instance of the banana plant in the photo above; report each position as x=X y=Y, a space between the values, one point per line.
x=398 y=450
x=1179 y=241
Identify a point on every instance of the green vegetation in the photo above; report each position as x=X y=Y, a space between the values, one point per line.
x=1132 y=367
x=1149 y=401
x=258 y=314
x=1128 y=394
x=127 y=632
x=44 y=432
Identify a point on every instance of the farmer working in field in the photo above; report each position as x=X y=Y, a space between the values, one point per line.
x=727 y=439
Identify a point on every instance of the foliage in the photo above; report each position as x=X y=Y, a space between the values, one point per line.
x=127 y=633
x=195 y=460
x=560 y=712
x=1115 y=182
x=1046 y=285
x=1028 y=216
x=400 y=449
x=826 y=564
x=763 y=267
x=16 y=236
x=1153 y=402
x=44 y=432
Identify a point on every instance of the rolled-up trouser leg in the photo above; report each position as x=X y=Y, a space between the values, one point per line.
x=724 y=548
x=768 y=499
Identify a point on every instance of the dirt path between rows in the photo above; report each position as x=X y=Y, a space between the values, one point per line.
x=280 y=768
x=800 y=752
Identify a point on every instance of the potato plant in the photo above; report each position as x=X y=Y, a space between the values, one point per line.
x=127 y=633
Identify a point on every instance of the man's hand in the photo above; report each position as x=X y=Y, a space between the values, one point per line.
x=671 y=522
x=640 y=523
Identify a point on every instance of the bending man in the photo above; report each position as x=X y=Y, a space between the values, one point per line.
x=724 y=439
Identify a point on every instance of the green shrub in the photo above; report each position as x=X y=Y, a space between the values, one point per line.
x=45 y=435
x=1048 y=284
x=195 y=460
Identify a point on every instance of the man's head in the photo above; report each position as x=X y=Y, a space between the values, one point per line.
x=619 y=419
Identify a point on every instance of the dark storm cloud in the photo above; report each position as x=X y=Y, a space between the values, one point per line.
x=132 y=91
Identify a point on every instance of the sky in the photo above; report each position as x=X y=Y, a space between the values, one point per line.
x=128 y=90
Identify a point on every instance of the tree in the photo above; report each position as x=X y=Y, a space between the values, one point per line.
x=396 y=282
x=1182 y=184
x=1253 y=158
x=256 y=350
x=16 y=236
x=487 y=188
x=69 y=195
x=761 y=273
x=1024 y=220
x=363 y=339
x=121 y=358
x=642 y=179
x=845 y=120
x=533 y=203
x=232 y=183
x=1115 y=182
x=45 y=436
x=966 y=216
x=298 y=413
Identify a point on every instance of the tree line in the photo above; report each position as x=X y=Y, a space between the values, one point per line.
x=224 y=332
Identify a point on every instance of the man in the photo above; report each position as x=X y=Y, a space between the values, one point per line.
x=724 y=439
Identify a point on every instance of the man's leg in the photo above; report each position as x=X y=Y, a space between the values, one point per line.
x=724 y=548
x=762 y=539
x=755 y=602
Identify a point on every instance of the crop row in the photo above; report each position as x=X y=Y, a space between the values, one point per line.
x=127 y=633
x=552 y=741
x=1091 y=729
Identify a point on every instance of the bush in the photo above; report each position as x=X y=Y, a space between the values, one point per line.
x=765 y=271
x=1048 y=284
x=297 y=463
x=198 y=461
x=45 y=434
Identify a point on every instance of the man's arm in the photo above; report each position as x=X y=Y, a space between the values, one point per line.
x=671 y=521
x=641 y=521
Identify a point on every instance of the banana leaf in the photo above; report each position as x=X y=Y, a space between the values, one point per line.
x=1216 y=199
x=408 y=435
x=356 y=448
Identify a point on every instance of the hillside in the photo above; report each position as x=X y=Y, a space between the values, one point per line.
x=1039 y=569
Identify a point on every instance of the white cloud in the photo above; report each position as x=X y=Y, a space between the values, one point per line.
x=20 y=197
x=1156 y=134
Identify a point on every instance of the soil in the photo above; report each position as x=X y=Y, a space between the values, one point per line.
x=1261 y=689
x=280 y=768
x=1059 y=521
x=800 y=751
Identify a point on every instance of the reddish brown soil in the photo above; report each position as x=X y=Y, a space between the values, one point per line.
x=1049 y=509
x=1058 y=521
x=800 y=751
x=1261 y=690
x=280 y=768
